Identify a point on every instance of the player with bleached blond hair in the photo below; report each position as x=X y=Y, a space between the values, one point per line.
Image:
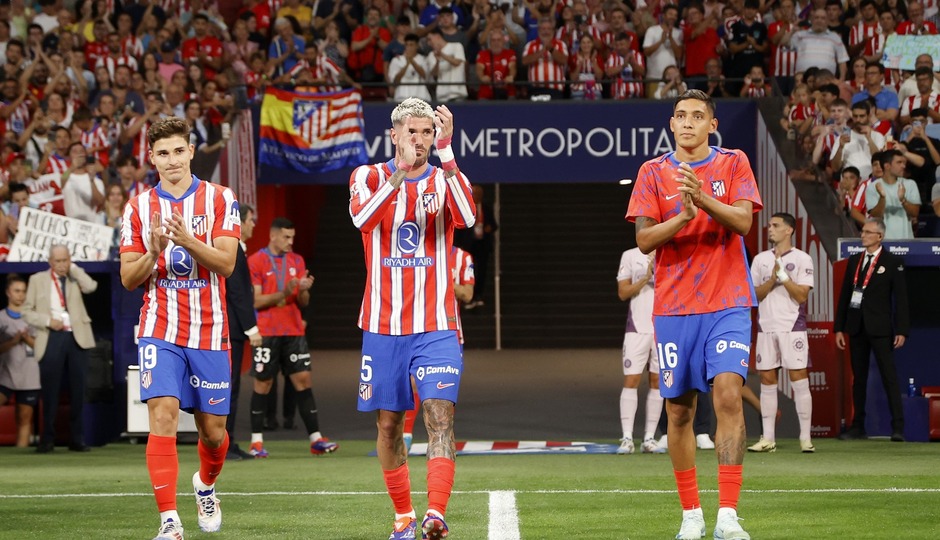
x=407 y=210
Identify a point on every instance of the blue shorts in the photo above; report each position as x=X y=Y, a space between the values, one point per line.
x=199 y=379
x=389 y=362
x=693 y=349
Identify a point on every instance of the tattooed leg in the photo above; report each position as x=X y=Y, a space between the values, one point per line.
x=439 y=421
x=390 y=446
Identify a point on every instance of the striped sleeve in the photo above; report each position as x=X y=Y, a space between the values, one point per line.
x=460 y=201
x=131 y=239
x=369 y=197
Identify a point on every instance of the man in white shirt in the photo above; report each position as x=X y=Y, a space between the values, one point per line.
x=783 y=277
x=408 y=72
x=894 y=199
x=662 y=46
x=82 y=190
x=856 y=146
x=448 y=65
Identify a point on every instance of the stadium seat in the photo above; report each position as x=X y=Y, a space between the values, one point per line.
x=932 y=393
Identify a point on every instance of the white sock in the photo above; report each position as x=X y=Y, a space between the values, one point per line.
x=768 y=410
x=409 y=514
x=725 y=510
x=628 y=404
x=654 y=408
x=169 y=514
x=199 y=485
x=315 y=436
x=804 y=407
x=257 y=437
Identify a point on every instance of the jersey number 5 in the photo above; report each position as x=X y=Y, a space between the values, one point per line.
x=366 y=374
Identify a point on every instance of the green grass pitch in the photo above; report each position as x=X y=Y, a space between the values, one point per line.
x=858 y=489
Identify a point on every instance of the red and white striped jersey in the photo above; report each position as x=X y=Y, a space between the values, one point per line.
x=800 y=112
x=755 y=91
x=184 y=302
x=858 y=199
x=908 y=28
x=570 y=36
x=546 y=69
x=607 y=38
x=625 y=85
x=131 y=45
x=883 y=127
x=463 y=275
x=323 y=69
x=111 y=63
x=56 y=164
x=914 y=102
x=45 y=193
x=18 y=119
x=95 y=50
x=783 y=58
x=97 y=137
x=863 y=30
x=140 y=146
x=407 y=235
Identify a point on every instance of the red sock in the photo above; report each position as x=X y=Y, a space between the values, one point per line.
x=398 y=484
x=211 y=460
x=163 y=465
x=440 y=482
x=729 y=485
x=411 y=416
x=687 y=484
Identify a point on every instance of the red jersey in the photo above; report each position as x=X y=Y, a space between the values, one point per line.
x=862 y=31
x=45 y=193
x=212 y=47
x=463 y=275
x=497 y=68
x=184 y=302
x=95 y=50
x=546 y=73
x=909 y=28
x=407 y=235
x=703 y=268
x=272 y=273
x=94 y=138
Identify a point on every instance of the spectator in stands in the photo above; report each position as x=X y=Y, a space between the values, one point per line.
x=82 y=189
x=701 y=41
x=756 y=84
x=671 y=86
x=885 y=99
x=547 y=60
x=894 y=199
x=922 y=152
x=368 y=43
x=856 y=146
x=397 y=45
x=874 y=47
x=19 y=370
x=333 y=45
x=803 y=113
x=818 y=47
x=915 y=25
x=448 y=67
x=496 y=69
x=872 y=325
x=714 y=83
x=909 y=87
x=112 y=214
x=429 y=15
x=300 y=12
x=55 y=308
x=782 y=54
x=662 y=46
x=129 y=176
x=625 y=66
x=827 y=135
x=851 y=192
x=585 y=68
x=447 y=24
x=19 y=199
x=865 y=30
x=408 y=73
x=749 y=43
x=925 y=98
x=835 y=21
x=286 y=48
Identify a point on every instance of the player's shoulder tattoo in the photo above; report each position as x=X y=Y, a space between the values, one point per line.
x=643 y=222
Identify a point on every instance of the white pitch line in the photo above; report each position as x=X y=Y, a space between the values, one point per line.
x=504 y=518
x=476 y=492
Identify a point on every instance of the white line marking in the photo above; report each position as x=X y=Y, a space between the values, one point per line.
x=474 y=492
x=504 y=519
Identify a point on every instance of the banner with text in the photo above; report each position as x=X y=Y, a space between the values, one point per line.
x=38 y=231
x=902 y=51
x=917 y=252
x=567 y=141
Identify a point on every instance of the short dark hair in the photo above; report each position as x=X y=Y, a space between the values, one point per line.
x=875 y=158
x=920 y=111
x=15 y=278
x=839 y=101
x=887 y=156
x=697 y=95
x=282 y=223
x=412 y=37
x=18 y=186
x=863 y=105
x=830 y=88
x=881 y=68
x=852 y=170
x=923 y=70
x=167 y=128
x=244 y=210
x=202 y=16
x=127 y=161
x=787 y=218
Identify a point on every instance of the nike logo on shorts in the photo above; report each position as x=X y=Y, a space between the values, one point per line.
x=442 y=386
x=213 y=401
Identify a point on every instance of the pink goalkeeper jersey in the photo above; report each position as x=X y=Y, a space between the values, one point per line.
x=184 y=303
x=778 y=312
x=703 y=268
x=633 y=265
x=407 y=235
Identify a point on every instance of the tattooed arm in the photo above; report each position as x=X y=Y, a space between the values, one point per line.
x=650 y=235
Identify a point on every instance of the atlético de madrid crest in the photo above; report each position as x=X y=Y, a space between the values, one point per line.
x=200 y=225
x=718 y=188
x=430 y=203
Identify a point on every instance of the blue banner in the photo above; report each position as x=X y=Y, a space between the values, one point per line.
x=568 y=141
x=925 y=252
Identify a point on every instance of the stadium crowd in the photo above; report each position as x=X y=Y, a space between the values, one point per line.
x=82 y=80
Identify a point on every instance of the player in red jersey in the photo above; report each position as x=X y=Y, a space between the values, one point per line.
x=179 y=241
x=406 y=210
x=693 y=206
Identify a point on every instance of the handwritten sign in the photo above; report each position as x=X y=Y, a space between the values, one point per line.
x=901 y=51
x=38 y=231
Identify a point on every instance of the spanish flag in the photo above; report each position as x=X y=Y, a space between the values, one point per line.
x=312 y=133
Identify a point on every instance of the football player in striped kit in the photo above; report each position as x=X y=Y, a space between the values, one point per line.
x=407 y=210
x=179 y=241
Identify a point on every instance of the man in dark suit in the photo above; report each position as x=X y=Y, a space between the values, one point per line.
x=239 y=296
x=874 y=281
